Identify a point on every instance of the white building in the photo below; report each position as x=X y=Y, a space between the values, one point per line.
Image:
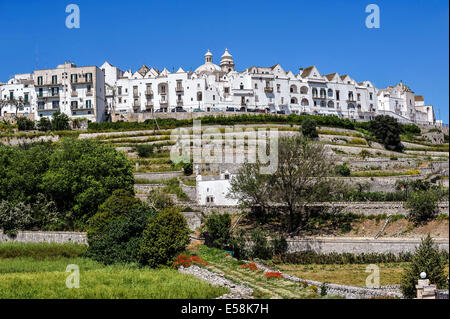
x=18 y=96
x=214 y=88
x=212 y=190
x=76 y=91
x=97 y=93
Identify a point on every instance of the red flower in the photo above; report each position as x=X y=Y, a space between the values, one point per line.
x=250 y=266
x=187 y=261
x=273 y=275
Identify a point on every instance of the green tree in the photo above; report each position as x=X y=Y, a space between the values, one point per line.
x=309 y=128
x=302 y=177
x=426 y=259
x=14 y=217
x=160 y=200
x=422 y=206
x=387 y=130
x=82 y=174
x=164 y=238
x=60 y=121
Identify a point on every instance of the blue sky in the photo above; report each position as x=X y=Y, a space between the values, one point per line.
x=412 y=44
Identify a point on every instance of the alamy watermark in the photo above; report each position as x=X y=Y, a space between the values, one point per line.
x=227 y=146
x=373 y=19
x=73 y=279
x=73 y=19
x=373 y=280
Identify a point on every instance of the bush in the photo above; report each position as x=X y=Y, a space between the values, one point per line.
x=160 y=200
x=309 y=128
x=120 y=239
x=342 y=170
x=119 y=203
x=279 y=245
x=44 y=124
x=427 y=258
x=422 y=206
x=260 y=246
x=218 y=227
x=239 y=245
x=25 y=124
x=145 y=150
x=188 y=168
x=60 y=121
x=411 y=129
x=14 y=217
x=387 y=131
x=164 y=238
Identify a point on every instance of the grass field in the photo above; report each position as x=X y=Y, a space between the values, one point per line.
x=349 y=274
x=44 y=276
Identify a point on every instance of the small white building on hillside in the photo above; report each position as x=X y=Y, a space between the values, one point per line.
x=212 y=190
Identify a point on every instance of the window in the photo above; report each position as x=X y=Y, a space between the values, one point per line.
x=88 y=104
x=305 y=102
x=337 y=95
x=199 y=96
x=11 y=95
x=323 y=93
x=330 y=93
x=358 y=96
x=304 y=90
x=41 y=92
x=227 y=90
x=315 y=92
x=54 y=79
x=74 y=78
x=256 y=85
x=55 y=105
x=40 y=80
x=74 y=105
x=26 y=98
x=278 y=88
x=55 y=91
x=371 y=96
x=227 y=176
x=119 y=90
x=210 y=199
x=41 y=105
x=241 y=86
x=88 y=77
x=350 y=96
x=293 y=89
x=330 y=104
x=88 y=89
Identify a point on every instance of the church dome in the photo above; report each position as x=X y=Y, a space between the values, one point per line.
x=209 y=67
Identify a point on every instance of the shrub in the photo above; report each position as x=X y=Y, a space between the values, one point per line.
x=426 y=259
x=14 y=217
x=365 y=154
x=120 y=238
x=25 y=124
x=323 y=290
x=188 y=261
x=60 y=121
x=41 y=251
x=119 y=203
x=218 y=227
x=145 y=150
x=273 y=275
x=44 y=124
x=260 y=246
x=188 y=168
x=279 y=245
x=387 y=131
x=411 y=129
x=422 y=206
x=342 y=170
x=309 y=128
x=238 y=244
x=165 y=237
x=160 y=200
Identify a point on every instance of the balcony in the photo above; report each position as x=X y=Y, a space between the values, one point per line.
x=89 y=93
x=163 y=102
x=149 y=106
x=179 y=102
x=268 y=90
x=179 y=89
x=319 y=97
x=74 y=93
x=149 y=93
x=81 y=108
x=55 y=84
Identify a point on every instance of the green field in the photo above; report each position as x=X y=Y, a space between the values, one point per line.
x=44 y=275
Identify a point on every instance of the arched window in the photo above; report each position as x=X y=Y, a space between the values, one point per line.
x=294 y=100
x=199 y=96
x=323 y=103
x=293 y=89
x=330 y=93
x=305 y=102
x=314 y=92
x=351 y=106
x=330 y=104
x=350 y=96
x=304 y=90
x=323 y=93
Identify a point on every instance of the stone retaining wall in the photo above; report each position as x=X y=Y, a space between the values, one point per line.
x=46 y=237
x=158 y=176
x=359 y=245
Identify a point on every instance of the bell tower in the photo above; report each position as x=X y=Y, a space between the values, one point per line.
x=227 y=63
